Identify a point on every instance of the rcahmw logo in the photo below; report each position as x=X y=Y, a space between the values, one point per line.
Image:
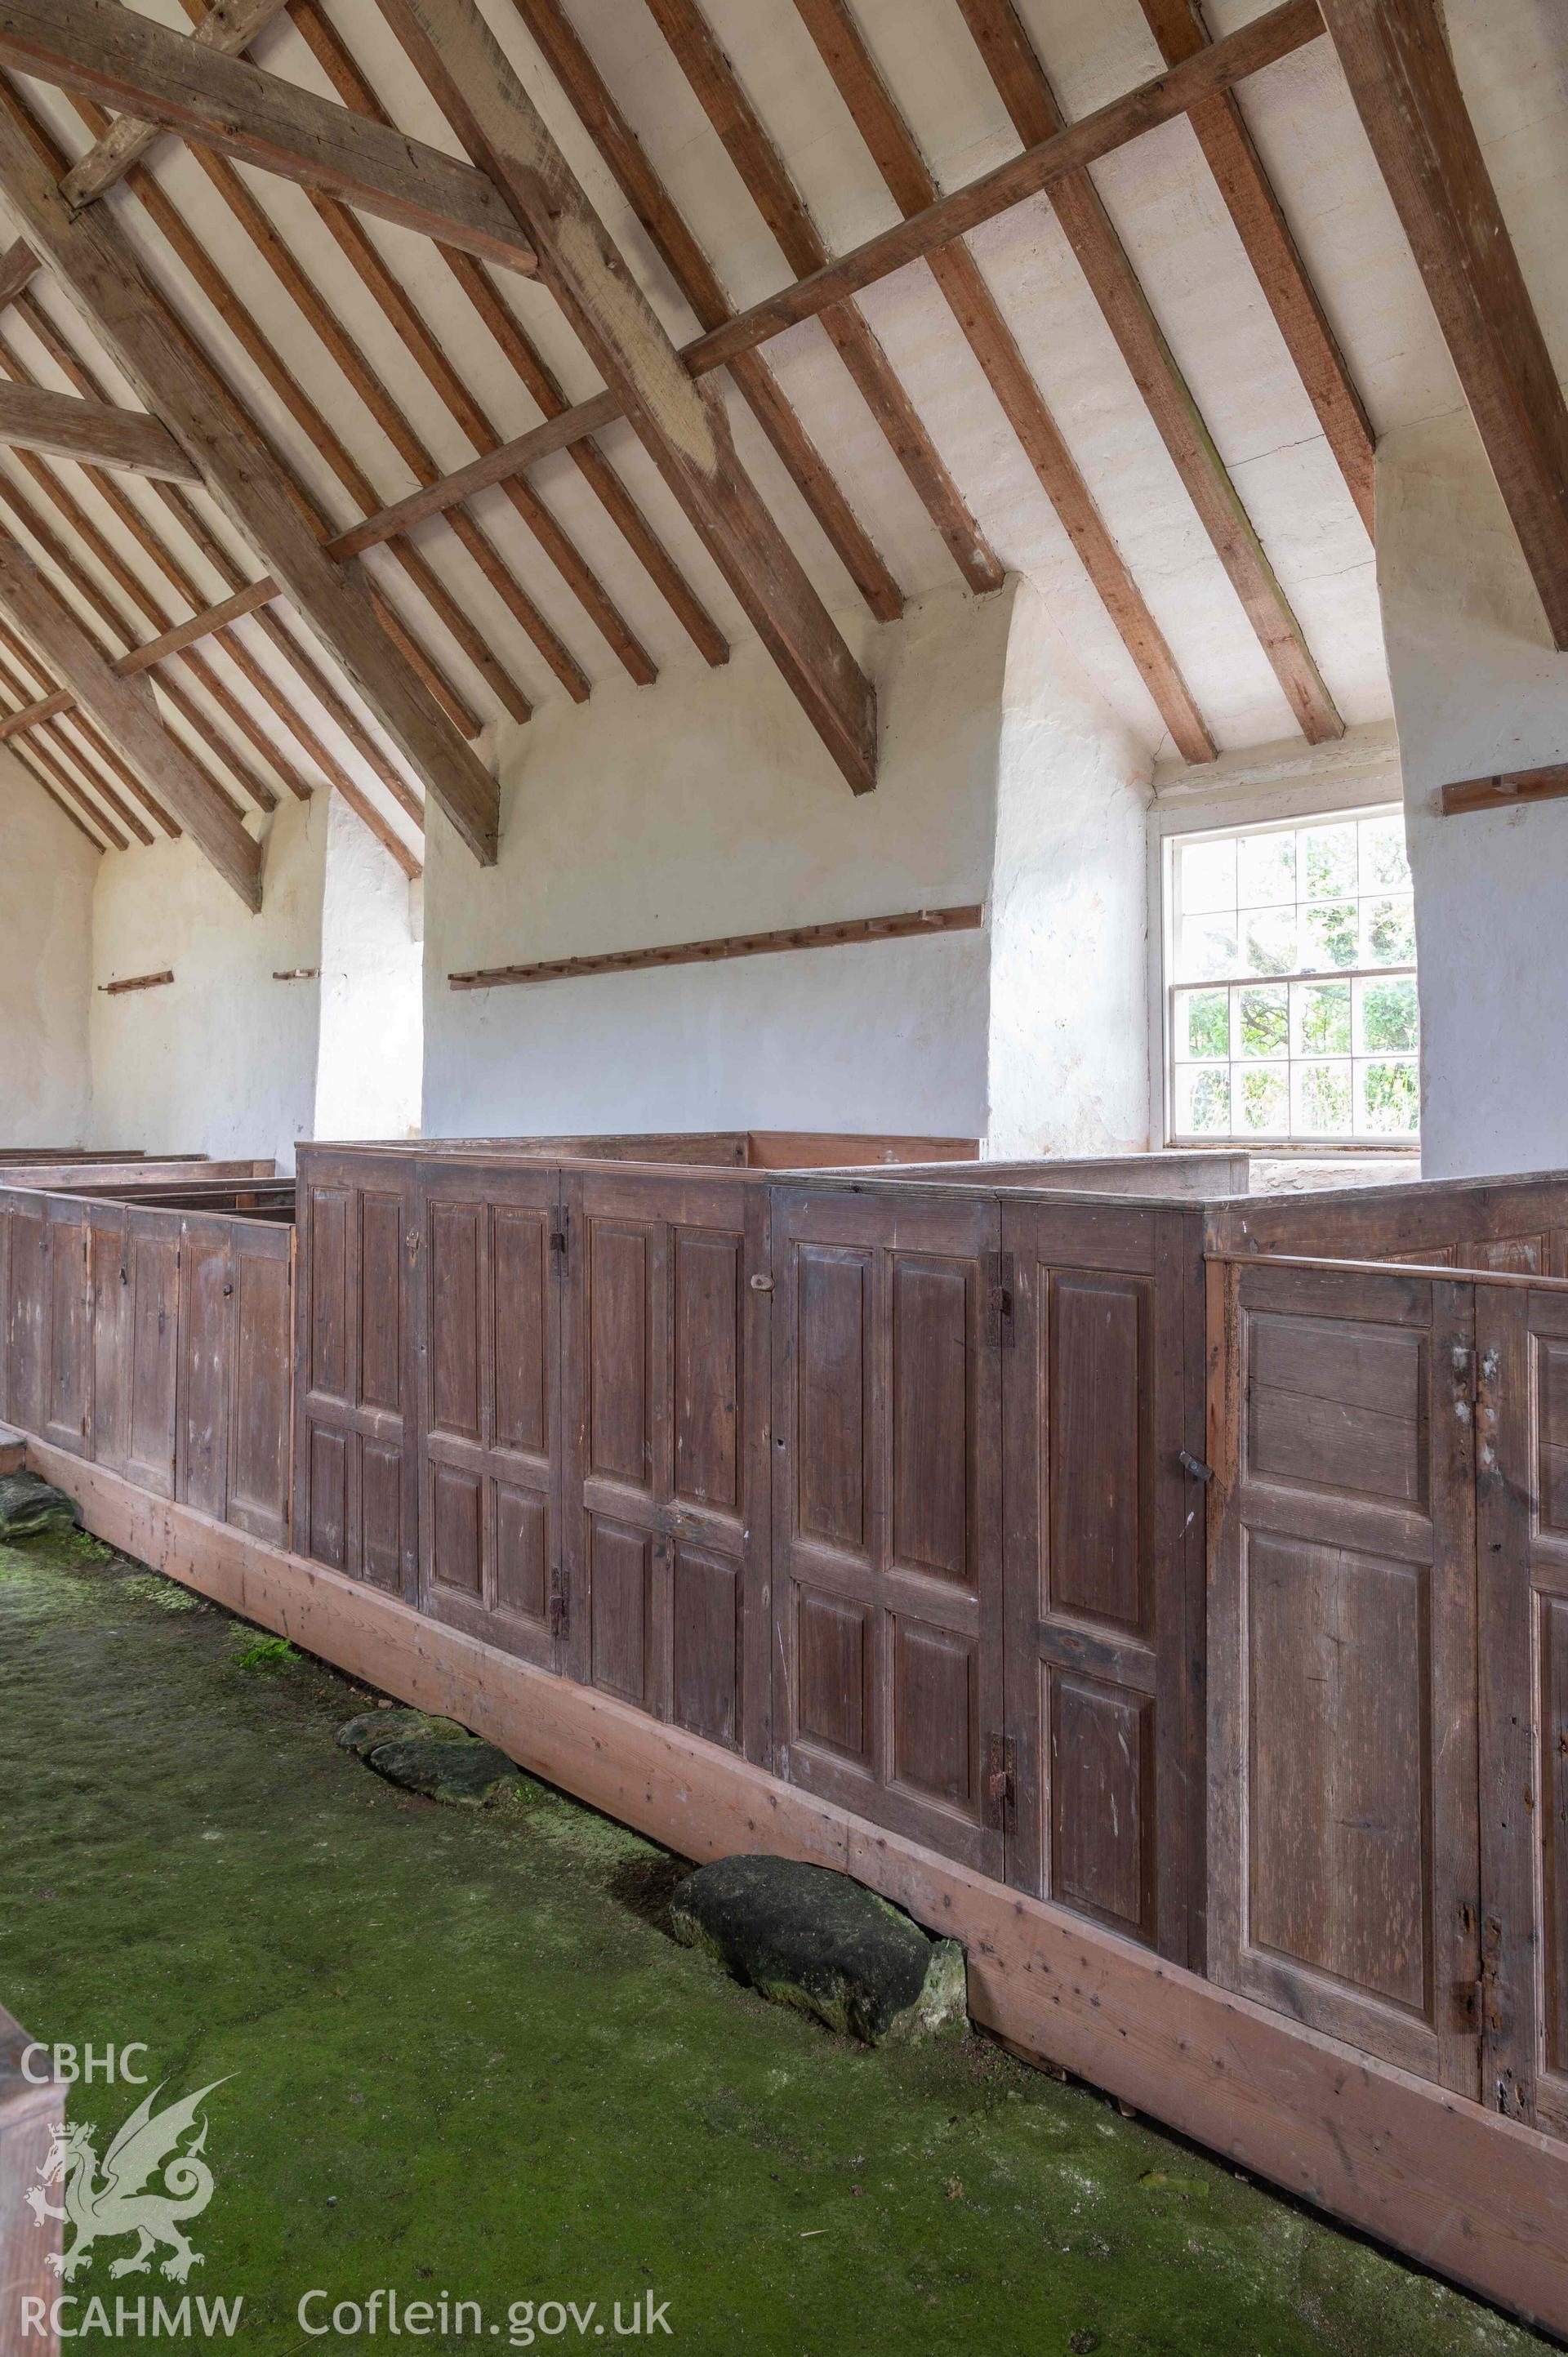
x=150 y=2184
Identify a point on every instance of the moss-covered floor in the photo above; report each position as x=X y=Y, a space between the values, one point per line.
x=461 y=2057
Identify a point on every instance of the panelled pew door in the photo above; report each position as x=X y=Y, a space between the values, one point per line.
x=1345 y=1882
x=488 y=1345
x=1104 y=1561
x=664 y=1524
x=888 y=1511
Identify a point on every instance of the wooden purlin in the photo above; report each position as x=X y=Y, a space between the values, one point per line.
x=589 y=94
x=1242 y=178
x=324 y=320
x=762 y=168
x=1108 y=270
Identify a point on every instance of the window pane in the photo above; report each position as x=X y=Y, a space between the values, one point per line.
x=1390 y=932
x=1262 y=1099
x=1329 y=863
x=1295 y=1011
x=1331 y=935
x=1208 y=877
x=1384 y=864
x=1203 y=1099
x=1323 y=1100
x=1203 y=1023
x=1208 y=948
x=1389 y=1016
x=1268 y=940
x=1265 y=869
x=1323 y=1016
x=1389 y=1098
x=1265 y=1021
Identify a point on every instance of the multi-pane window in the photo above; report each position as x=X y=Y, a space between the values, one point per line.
x=1290 y=966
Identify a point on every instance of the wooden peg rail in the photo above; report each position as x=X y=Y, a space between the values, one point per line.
x=1501 y=792
x=732 y=945
x=136 y=981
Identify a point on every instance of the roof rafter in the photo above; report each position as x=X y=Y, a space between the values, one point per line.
x=439 y=368
x=757 y=159
x=1242 y=178
x=730 y=342
x=686 y=433
x=137 y=65
x=1407 y=94
x=1103 y=260
x=125 y=712
x=97 y=269
x=216 y=289
x=689 y=267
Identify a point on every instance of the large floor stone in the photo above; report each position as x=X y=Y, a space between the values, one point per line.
x=823 y=1943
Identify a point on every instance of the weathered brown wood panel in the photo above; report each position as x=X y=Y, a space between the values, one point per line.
x=1522 y=1552
x=1465 y=1224
x=356 y=1489
x=887 y=1510
x=488 y=1342
x=664 y=1521
x=27 y=1312
x=1344 y=1840
x=1104 y=1584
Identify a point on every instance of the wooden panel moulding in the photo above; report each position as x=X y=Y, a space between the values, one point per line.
x=730 y=946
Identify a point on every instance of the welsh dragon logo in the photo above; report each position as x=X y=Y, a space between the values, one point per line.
x=119 y=2201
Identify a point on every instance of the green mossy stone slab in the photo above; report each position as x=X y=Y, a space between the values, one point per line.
x=466 y=1772
x=374 y=1727
x=824 y=1944
x=28 y=1505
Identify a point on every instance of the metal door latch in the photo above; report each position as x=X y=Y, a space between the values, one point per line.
x=1194 y=1465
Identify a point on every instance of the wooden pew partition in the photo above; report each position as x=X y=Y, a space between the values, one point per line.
x=155 y=1341
x=878 y=1483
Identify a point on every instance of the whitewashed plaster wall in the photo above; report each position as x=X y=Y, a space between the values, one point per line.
x=370 y=1062
x=46 y=872
x=1069 y=1063
x=1478 y=688
x=222 y=1060
x=704 y=806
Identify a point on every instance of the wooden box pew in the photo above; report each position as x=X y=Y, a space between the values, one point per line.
x=155 y=1341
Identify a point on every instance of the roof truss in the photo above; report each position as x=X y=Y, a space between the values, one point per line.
x=684 y=431
x=125 y=712
x=97 y=269
x=137 y=66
